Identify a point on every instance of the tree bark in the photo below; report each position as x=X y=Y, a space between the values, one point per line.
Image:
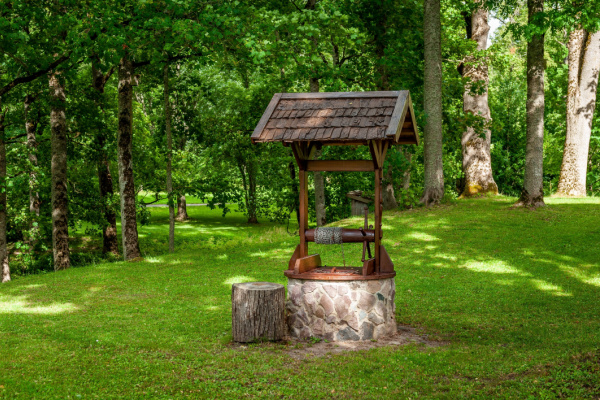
x=131 y=247
x=584 y=67
x=477 y=161
x=258 y=311
x=34 y=196
x=432 y=99
x=110 y=243
x=58 y=125
x=533 y=189
x=3 y=246
x=169 y=158
x=317 y=176
x=389 y=199
x=406 y=175
x=182 y=214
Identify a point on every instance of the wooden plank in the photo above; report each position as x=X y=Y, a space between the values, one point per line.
x=266 y=116
x=295 y=256
x=340 y=165
x=377 y=218
x=386 y=262
x=368 y=267
x=303 y=212
x=399 y=114
x=305 y=264
x=339 y=95
x=414 y=120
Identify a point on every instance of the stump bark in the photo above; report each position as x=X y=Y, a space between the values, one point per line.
x=258 y=311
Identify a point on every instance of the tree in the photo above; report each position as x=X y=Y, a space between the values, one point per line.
x=432 y=98
x=533 y=189
x=584 y=68
x=476 y=139
x=167 y=106
x=5 y=277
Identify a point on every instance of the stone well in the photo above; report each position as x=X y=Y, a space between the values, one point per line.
x=341 y=310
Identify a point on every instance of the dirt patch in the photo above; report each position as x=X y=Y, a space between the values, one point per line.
x=300 y=350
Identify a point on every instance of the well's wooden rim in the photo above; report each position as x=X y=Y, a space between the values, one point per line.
x=320 y=274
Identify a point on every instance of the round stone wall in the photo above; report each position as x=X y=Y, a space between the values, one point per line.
x=341 y=310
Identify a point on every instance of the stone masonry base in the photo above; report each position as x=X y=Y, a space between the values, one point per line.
x=342 y=310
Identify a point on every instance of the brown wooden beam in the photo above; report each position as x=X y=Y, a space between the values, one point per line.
x=340 y=165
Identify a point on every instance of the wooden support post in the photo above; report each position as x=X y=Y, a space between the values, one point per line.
x=378 y=210
x=303 y=212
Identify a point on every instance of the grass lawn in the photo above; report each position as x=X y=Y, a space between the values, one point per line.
x=150 y=197
x=514 y=293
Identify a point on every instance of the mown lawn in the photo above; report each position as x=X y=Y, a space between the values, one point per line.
x=514 y=293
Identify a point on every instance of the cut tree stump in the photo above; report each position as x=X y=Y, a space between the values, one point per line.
x=258 y=311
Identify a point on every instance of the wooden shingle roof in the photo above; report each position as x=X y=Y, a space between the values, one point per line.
x=338 y=117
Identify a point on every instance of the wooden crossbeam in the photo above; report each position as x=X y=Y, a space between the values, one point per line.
x=340 y=165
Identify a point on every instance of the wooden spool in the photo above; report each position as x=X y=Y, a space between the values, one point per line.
x=258 y=311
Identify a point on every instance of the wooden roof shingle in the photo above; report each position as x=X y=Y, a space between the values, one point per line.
x=338 y=117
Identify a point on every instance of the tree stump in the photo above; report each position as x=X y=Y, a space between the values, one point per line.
x=258 y=311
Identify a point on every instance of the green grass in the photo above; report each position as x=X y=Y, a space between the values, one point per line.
x=515 y=294
x=150 y=197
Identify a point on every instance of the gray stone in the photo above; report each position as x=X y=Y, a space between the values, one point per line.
x=361 y=315
x=380 y=297
x=367 y=301
x=330 y=319
x=319 y=312
x=317 y=327
x=342 y=289
x=309 y=287
x=301 y=314
x=373 y=286
x=367 y=329
x=327 y=305
x=309 y=298
x=329 y=336
x=304 y=333
x=342 y=305
x=295 y=295
x=381 y=309
x=330 y=290
x=347 y=334
x=376 y=319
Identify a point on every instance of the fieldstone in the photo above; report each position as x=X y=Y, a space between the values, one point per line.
x=380 y=331
x=367 y=301
x=361 y=315
x=301 y=314
x=380 y=297
x=309 y=287
x=373 y=286
x=330 y=319
x=386 y=285
x=309 y=298
x=342 y=289
x=295 y=295
x=347 y=334
x=329 y=336
x=367 y=329
x=327 y=305
x=330 y=290
x=354 y=296
x=342 y=305
x=319 y=312
x=376 y=319
x=381 y=309
x=317 y=327
x=352 y=321
x=304 y=333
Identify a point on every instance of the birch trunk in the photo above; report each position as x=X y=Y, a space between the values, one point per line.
x=533 y=189
x=58 y=125
x=3 y=247
x=477 y=161
x=584 y=67
x=169 y=158
x=432 y=99
x=131 y=247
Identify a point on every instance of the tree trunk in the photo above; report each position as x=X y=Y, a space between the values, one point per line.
x=169 y=158
x=432 y=99
x=182 y=214
x=34 y=196
x=58 y=124
x=3 y=248
x=249 y=183
x=477 y=161
x=131 y=247
x=406 y=175
x=389 y=199
x=584 y=67
x=258 y=311
x=533 y=189
x=110 y=243
x=318 y=176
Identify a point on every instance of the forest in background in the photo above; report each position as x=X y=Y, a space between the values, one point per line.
x=106 y=107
